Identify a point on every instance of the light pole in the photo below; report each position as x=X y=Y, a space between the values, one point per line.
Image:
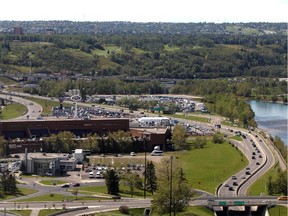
x=170 y=194
x=145 y=164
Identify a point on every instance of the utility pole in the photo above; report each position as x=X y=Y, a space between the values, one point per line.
x=170 y=195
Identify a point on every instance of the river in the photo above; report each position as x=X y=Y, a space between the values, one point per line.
x=272 y=117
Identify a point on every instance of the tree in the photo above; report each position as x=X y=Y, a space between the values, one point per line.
x=132 y=180
x=151 y=179
x=176 y=196
x=199 y=142
x=218 y=138
x=3 y=146
x=112 y=182
x=179 y=137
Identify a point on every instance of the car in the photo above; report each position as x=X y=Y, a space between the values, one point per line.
x=65 y=186
x=247 y=173
x=156 y=153
x=260 y=156
x=253 y=157
x=226 y=185
x=76 y=185
x=102 y=155
x=247 y=168
x=235 y=183
x=253 y=153
x=233 y=177
x=231 y=189
x=243 y=177
x=257 y=163
x=132 y=153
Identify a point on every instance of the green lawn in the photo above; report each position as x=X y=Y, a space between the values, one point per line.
x=13 y=110
x=22 y=192
x=46 y=104
x=52 y=182
x=278 y=211
x=260 y=186
x=45 y=212
x=208 y=167
x=191 y=117
x=20 y=212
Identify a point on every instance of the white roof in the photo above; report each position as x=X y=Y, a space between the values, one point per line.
x=78 y=151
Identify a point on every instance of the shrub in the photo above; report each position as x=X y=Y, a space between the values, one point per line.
x=124 y=209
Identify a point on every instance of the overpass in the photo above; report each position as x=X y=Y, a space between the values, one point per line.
x=242 y=206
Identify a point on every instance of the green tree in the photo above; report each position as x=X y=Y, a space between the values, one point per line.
x=132 y=180
x=173 y=189
x=179 y=137
x=217 y=138
x=199 y=142
x=3 y=147
x=112 y=182
x=121 y=141
x=151 y=179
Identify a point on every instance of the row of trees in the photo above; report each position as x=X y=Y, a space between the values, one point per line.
x=114 y=142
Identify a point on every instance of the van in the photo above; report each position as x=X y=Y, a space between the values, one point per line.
x=156 y=153
x=91 y=175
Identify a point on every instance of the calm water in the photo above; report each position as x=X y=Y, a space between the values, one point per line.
x=271 y=117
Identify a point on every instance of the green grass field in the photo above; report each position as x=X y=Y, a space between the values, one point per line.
x=207 y=168
x=52 y=182
x=22 y=192
x=278 y=211
x=46 y=104
x=260 y=186
x=13 y=110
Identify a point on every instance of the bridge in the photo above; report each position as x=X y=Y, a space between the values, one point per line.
x=242 y=206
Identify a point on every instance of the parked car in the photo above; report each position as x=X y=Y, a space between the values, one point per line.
x=65 y=186
x=132 y=153
x=76 y=185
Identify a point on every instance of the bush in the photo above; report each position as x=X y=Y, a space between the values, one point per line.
x=124 y=209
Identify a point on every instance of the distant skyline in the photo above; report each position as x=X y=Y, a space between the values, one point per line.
x=217 y=11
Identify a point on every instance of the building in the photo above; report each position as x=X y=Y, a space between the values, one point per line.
x=18 y=30
x=14 y=129
x=48 y=163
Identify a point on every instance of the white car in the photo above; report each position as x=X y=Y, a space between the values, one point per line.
x=132 y=153
x=156 y=153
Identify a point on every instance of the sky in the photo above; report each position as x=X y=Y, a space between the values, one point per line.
x=217 y=11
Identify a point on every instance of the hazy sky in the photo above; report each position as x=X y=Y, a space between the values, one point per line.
x=146 y=10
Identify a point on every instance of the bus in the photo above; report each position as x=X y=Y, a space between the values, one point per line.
x=154 y=121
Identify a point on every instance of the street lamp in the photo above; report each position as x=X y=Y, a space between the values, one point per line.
x=170 y=194
x=145 y=162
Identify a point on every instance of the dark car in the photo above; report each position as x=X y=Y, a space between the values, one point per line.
x=260 y=156
x=235 y=183
x=253 y=157
x=257 y=163
x=76 y=185
x=231 y=189
x=247 y=173
x=65 y=186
